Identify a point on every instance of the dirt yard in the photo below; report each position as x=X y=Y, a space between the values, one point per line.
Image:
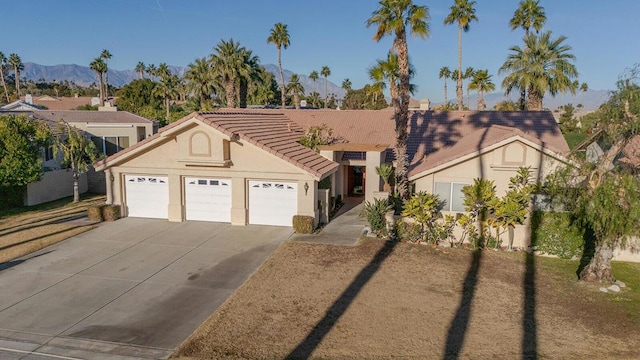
x=406 y=301
x=35 y=228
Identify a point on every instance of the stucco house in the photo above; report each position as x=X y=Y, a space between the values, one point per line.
x=247 y=167
x=111 y=131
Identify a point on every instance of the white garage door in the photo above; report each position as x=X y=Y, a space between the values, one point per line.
x=147 y=196
x=208 y=199
x=272 y=202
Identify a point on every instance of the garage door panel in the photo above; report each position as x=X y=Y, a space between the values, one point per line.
x=272 y=202
x=208 y=199
x=147 y=196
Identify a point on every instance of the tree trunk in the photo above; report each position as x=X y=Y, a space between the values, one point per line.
x=523 y=99
x=481 y=100
x=445 y=91
x=534 y=101
x=401 y=110
x=459 y=79
x=106 y=85
x=17 y=74
x=296 y=100
x=468 y=98
x=282 y=94
x=326 y=92
x=4 y=83
x=599 y=268
x=76 y=188
x=230 y=93
x=101 y=90
x=141 y=75
x=167 y=103
x=244 y=87
x=511 y=236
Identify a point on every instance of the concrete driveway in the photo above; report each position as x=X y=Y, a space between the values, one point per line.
x=135 y=288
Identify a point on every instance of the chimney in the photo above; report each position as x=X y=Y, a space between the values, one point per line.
x=425 y=104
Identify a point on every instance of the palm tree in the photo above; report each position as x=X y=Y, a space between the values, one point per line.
x=106 y=55
x=230 y=66
x=263 y=87
x=248 y=71
x=314 y=76
x=446 y=74
x=163 y=71
x=325 y=71
x=314 y=97
x=3 y=62
x=529 y=14
x=98 y=65
x=462 y=13
x=468 y=74
x=584 y=87
x=388 y=70
x=543 y=66
x=201 y=80
x=280 y=37
x=482 y=83
x=140 y=68
x=396 y=17
x=346 y=84
x=16 y=63
x=166 y=89
x=152 y=71
x=294 y=87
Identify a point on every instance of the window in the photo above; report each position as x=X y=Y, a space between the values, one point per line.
x=48 y=153
x=451 y=194
x=109 y=145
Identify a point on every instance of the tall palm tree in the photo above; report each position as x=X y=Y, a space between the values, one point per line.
x=446 y=74
x=529 y=14
x=163 y=71
x=106 y=55
x=397 y=17
x=544 y=65
x=482 y=83
x=248 y=71
x=140 y=69
x=314 y=76
x=280 y=37
x=98 y=65
x=152 y=70
x=262 y=87
x=462 y=13
x=468 y=74
x=16 y=63
x=166 y=89
x=325 y=71
x=229 y=66
x=295 y=88
x=3 y=62
x=201 y=80
x=346 y=84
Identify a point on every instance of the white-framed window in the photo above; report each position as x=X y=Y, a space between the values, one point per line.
x=451 y=194
x=109 y=145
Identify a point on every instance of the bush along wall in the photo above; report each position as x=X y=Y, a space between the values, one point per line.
x=555 y=233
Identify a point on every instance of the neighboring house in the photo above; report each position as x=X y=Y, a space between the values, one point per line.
x=20 y=105
x=246 y=166
x=61 y=103
x=111 y=131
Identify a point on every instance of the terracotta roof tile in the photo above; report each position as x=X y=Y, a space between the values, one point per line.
x=103 y=117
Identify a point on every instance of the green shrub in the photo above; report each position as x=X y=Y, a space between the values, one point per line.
x=303 y=224
x=408 y=231
x=425 y=209
x=375 y=213
x=94 y=213
x=554 y=233
x=111 y=212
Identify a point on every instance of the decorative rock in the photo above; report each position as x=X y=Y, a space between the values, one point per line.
x=604 y=290
x=614 y=288
x=620 y=283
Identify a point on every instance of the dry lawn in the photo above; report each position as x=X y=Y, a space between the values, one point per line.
x=32 y=229
x=407 y=301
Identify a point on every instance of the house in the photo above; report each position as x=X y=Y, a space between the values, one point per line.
x=246 y=166
x=61 y=103
x=111 y=131
x=20 y=105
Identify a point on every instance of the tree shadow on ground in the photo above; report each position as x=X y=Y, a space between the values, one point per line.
x=9 y=264
x=307 y=346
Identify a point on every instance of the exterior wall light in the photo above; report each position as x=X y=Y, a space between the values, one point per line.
x=306 y=188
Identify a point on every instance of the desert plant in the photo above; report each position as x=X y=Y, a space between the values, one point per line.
x=424 y=209
x=477 y=198
x=386 y=173
x=94 y=213
x=111 y=212
x=446 y=229
x=375 y=213
x=555 y=233
x=303 y=224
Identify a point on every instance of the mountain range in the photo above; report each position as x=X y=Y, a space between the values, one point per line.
x=84 y=76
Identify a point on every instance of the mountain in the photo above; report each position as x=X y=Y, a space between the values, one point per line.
x=84 y=76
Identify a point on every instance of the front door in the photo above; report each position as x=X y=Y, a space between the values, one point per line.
x=356 y=180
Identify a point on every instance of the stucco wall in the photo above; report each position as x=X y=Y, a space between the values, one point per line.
x=499 y=165
x=203 y=152
x=54 y=185
x=109 y=129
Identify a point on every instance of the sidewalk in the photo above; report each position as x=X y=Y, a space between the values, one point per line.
x=344 y=229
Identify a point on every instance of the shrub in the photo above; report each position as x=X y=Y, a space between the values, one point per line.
x=425 y=208
x=555 y=233
x=111 y=212
x=408 y=231
x=386 y=173
x=303 y=224
x=375 y=213
x=94 y=212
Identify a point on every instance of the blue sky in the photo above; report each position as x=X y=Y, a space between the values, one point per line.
x=603 y=34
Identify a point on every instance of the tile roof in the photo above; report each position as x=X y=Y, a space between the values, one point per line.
x=429 y=131
x=103 y=117
x=61 y=103
x=272 y=132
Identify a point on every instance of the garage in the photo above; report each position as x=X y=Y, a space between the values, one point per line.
x=272 y=202
x=147 y=196
x=207 y=199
